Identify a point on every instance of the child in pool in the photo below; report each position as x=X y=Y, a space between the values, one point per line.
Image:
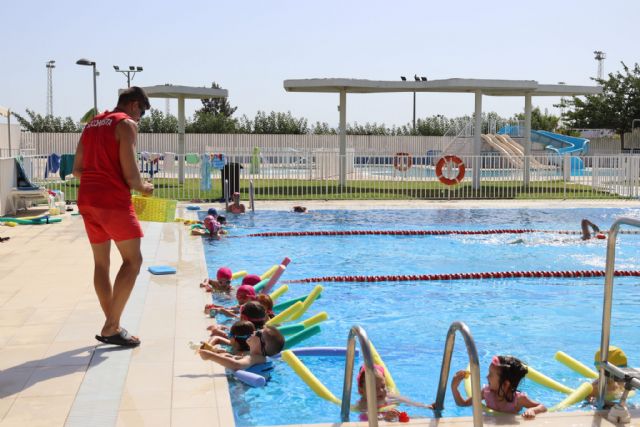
x=614 y=388
x=252 y=311
x=221 y=284
x=262 y=343
x=244 y=293
x=501 y=394
x=384 y=398
x=236 y=207
x=266 y=301
x=237 y=337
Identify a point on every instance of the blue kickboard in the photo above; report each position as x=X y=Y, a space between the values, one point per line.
x=162 y=269
x=193 y=207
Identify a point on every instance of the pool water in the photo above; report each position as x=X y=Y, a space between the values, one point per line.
x=408 y=321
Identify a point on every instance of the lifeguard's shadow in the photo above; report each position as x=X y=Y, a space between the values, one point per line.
x=17 y=378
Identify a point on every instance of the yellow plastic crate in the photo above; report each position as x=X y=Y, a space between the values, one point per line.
x=154 y=209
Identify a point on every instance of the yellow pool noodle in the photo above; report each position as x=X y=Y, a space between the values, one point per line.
x=239 y=274
x=284 y=316
x=278 y=292
x=307 y=376
x=269 y=272
x=577 y=395
x=388 y=379
x=307 y=302
x=544 y=380
x=575 y=365
x=313 y=320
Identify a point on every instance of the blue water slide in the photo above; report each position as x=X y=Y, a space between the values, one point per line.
x=563 y=145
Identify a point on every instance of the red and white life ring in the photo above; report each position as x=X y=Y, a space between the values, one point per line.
x=402 y=161
x=451 y=162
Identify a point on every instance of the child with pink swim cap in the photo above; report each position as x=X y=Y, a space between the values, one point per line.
x=222 y=282
x=384 y=398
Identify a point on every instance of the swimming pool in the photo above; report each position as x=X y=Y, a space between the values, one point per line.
x=408 y=321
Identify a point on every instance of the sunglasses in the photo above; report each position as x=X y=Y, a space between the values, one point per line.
x=262 y=344
x=240 y=337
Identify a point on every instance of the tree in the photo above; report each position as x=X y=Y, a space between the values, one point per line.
x=541 y=121
x=615 y=108
x=209 y=123
x=274 y=123
x=215 y=106
x=157 y=122
x=39 y=123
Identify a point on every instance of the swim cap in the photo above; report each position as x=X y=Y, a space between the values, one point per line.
x=251 y=280
x=600 y=236
x=224 y=273
x=379 y=369
x=616 y=357
x=236 y=194
x=245 y=292
x=212 y=212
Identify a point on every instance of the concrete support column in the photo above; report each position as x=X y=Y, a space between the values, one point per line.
x=527 y=138
x=477 y=141
x=343 y=138
x=181 y=149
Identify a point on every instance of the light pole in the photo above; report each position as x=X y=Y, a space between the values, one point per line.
x=131 y=72
x=50 y=66
x=416 y=78
x=84 y=61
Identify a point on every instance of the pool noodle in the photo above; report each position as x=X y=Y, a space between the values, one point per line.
x=239 y=274
x=261 y=284
x=274 y=279
x=544 y=380
x=278 y=292
x=249 y=378
x=319 y=351
x=269 y=272
x=388 y=379
x=286 y=304
x=301 y=336
x=298 y=327
x=284 y=316
x=307 y=376
x=468 y=392
x=575 y=365
x=577 y=395
x=307 y=302
x=286 y=261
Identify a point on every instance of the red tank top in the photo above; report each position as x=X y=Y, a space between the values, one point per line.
x=102 y=184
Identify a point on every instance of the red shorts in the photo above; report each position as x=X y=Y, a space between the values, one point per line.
x=108 y=224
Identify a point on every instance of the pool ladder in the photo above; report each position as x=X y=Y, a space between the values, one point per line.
x=370 y=382
x=476 y=399
x=630 y=376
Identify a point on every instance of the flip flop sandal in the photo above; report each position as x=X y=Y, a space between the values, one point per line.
x=122 y=338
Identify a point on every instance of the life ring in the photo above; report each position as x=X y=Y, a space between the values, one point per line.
x=402 y=161
x=457 y=162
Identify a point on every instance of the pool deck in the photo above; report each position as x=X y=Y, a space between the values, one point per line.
x=54 y=373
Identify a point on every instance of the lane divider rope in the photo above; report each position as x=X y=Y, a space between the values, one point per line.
x=466 y=276
x=409 y=232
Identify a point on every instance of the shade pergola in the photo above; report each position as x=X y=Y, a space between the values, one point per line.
x=479 y=87
x=181 y=93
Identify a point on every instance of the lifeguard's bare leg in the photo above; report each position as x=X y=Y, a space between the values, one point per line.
x=123 y=285
x=101 y=281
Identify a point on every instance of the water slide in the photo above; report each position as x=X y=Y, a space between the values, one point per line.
x=506 y=151
x=519 y=150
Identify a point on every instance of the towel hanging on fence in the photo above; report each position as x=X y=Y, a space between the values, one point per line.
x=205 y=173
x=169 y=162
x=53 y=164
x=66 y=165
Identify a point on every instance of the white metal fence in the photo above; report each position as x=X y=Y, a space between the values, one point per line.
x=313 y=174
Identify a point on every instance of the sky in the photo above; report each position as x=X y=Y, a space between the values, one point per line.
x=250 y=47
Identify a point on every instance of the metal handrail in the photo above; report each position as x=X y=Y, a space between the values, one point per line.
x=476 y=398
x=370 y=380
x=608 y=299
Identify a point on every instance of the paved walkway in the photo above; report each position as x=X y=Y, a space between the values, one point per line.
x=54 y=373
